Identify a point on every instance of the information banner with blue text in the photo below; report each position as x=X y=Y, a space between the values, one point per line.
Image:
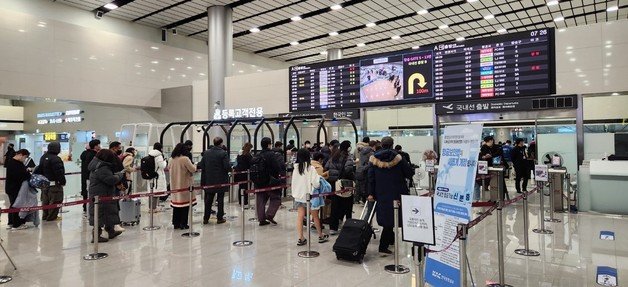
x=453 y=198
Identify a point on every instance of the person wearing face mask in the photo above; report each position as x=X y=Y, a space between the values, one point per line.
x=128 y=161
x=86 y=157
x=51 y=166
x=16 y=175
x=341 y=168
x=307 y=145
x=116 y=148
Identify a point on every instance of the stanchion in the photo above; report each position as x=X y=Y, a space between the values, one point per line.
x=248 y=180
x=526 y=251
x=541 y=229
x=396 y=268
x=463 y=231
x=65 y=199
x=500 y=230
x=309 y=253
x=242 y=242
x=551 y=200
x=96 y=255
x=430 y=187
x=191 y=233
x=419 y=251
x=151 y=200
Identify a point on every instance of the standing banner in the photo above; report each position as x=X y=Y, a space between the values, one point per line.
x=454 y=193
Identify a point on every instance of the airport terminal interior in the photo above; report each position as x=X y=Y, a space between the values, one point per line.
x=313 y=143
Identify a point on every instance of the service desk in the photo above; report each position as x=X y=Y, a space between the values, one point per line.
x=607 y=186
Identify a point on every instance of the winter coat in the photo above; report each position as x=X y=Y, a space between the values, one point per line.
x=363 y=163
x=243 y=163
x=215 y=167
x=86 y=157
x=51 y=166
x=181 y=177
x=160 y=165
x=128 y=160
x=27 y=198
x=358 y=150
x=387 y=182
x=519 y=159
x=102 y=182
x=484 y=152
x=341 y=168
x=16 y=175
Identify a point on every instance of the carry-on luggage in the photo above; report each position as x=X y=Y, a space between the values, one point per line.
x=130 y=211
x=355 y=236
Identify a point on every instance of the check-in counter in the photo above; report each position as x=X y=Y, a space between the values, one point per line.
x=604 y=188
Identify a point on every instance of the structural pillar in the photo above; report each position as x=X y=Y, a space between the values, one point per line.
x=334 y=54
x=219 y=56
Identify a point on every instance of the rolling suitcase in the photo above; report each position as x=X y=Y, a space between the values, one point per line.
x=130 y=211
x=355 y=236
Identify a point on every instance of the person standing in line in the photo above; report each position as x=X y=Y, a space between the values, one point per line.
x=17 y=173
x=522 y=166
x=128 y=162
x=9 y=154
x=243 y=164
x=181 y=177
x=274 y=167
x=215 y=166
x=51 y=166
x=361 y=171
x=188 y=149
x=86 y=157
x=305 y=179
x=102 y=182
x=507 y=151
x=161 y=183
x=387 y=182
x=360 y=146
x=340 y=166
x=290 y=145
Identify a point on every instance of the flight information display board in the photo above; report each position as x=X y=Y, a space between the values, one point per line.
x=511 y=65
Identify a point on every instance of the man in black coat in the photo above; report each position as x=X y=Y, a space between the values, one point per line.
x=387 y=182
x=16 y=174
x=51 y=166
x=215 y=167
x=521 y=164
x=86 y=157
x=10 y=153
x=275 y=168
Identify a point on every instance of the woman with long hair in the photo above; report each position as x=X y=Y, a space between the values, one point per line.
x=304 y=180
x=181 y=177
x=341 y=168
x=243 y=163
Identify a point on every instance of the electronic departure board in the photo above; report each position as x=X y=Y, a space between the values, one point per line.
x=511 y=65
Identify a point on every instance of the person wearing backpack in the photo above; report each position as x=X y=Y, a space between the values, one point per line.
x=155 y=161
x=266 y=170
x=305 y=179
x=341 y=168
x=86 y=157
x=51 y=166
x=215 y=166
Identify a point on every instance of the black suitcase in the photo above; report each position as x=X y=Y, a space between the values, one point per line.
x=355 y=236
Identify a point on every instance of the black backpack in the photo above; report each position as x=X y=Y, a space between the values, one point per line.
x=260 y=175
x=148 y=168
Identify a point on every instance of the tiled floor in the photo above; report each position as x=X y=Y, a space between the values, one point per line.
x=51 y=255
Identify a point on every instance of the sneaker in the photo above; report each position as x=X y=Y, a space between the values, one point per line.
x=185 y=227
x=101 y=239
x=385 y=252
x=21 y=227
x=114 y=234
x=118 y=227
x=212 y=212
x=221 y=221
x=323 y=239
x=262 y=223
x=273 y=221
x=301 y=242
x=205 y=221
x=333 y=232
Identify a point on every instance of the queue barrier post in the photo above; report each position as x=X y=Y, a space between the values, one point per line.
x=396 y=268
x=551 y=199
x=242 y=242
x=191 y=233
x=6 y=278
x=541 y=229
x=249 y=186
x=309 y=253
x=419 y=256
x=61 y=210
x=151 y=200
x=526 y=251
x=96 y=255
x=500 y=230
x=463 y=232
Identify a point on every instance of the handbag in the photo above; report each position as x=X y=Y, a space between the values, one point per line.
x=342 y=184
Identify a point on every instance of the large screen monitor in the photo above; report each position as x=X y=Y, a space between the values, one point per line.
x=511 y=65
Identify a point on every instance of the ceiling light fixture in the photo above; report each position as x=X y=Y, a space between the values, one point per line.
x=361 y=45
x=369 y=25
x=612 y=8
x=615 y=94
x=201 y=74
x=254 y=30
x=443 y=27
x=240 y=71
x=333 y=33
x=324 y=53
x=296 y=18
x=189 y=68
x=110 y=6
x=395 y=37
x=502 y=31
x=423 y=12
x=154 y=62
x=259 y=70
x=572 y=59
x=415 y=47
x=336 y=7
x=489 y=16
x=569 y=52
x=171 y=69
x=552 y=3
x=294 y=43
x=559 y=19
x=471 y=1
x=154 y=48
x=460 y=39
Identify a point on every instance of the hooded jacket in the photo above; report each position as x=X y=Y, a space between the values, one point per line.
x=51 y=166
x=387 y=176
x=160 y=166
x=102 y=182
x=358 y=150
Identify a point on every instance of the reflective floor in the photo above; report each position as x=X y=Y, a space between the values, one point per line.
x=51 y=255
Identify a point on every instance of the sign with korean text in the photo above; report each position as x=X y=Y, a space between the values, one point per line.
x=541 y=173
x=418 y=219
x=224 y=114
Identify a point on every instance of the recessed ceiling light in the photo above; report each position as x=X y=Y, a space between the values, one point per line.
x=559 y=19
x=152 y=70
x=333 y=33
x=578 y=70
x=371 y=25
x=232 y=64
x=415 y=47
x=201 y=74
x=171 y=69
x=569 y=52
x=324 y=53
x=608 y=65
x=154 y=48
x=552 y=2
x=296 y=18
x=615 y=94
x=471 y=1
x=336 y=7
x=138 y=65
x=489 y=16
x=240 y=71
x=422 y=12
x=582 y=75
x=608 y=46
x=21 y=30
x=561 y=30
x=110 y=6
x=259 y=70
x=572 y=59
x=502 y=31
x=609 y=54
x=294 y=43
x=395 y=37
x=612 y=8
x=460 y=39
x=178 y=59
x=569 y=47
x=154 y=62
x=254 y=30
x=444 y=26
x=361 y=45
x=183 y=75
x=41 y=25
x=189 y=68
x=606 y=69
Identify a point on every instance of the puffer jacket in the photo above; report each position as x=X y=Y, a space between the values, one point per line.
x=363 y=163
x=160 y=165
x=102 y=182
x=387 y=182
x=51 y=165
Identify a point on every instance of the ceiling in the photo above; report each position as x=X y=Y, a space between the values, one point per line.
x=465 y=18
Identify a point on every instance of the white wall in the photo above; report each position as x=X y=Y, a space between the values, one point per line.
x=606 y=107
x=9 y=113
x=268 y=90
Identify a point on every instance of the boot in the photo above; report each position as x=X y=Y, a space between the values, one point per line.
x=100 y=238
x=113 y=233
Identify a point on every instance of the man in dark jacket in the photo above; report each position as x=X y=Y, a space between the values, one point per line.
x=387 y=182
x=86 y=157
x=188 y=149
x=16 y=174
x=521 y=164
x=361 y=170
x=216 y=167
x=10 y=153
x=276 y=167
x=51 y=166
